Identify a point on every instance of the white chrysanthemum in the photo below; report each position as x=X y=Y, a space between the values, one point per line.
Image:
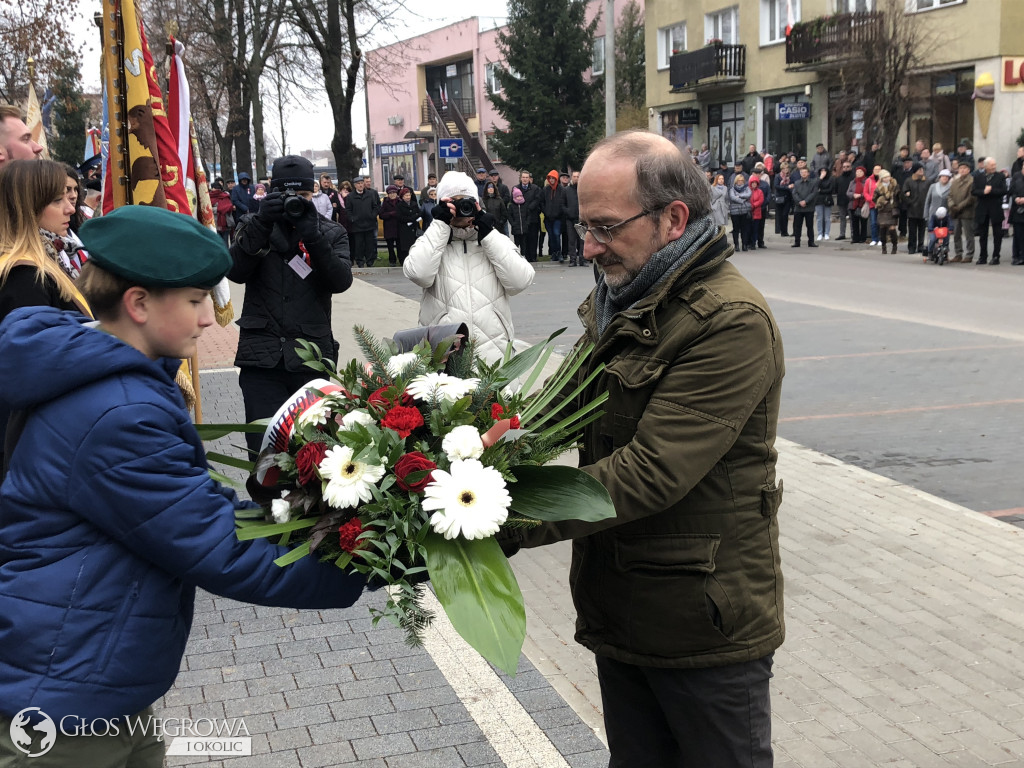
x=280 y=510
x=463 y=443
x=396 y=365
x=315 y=414
x=449 y=388
x=349 y=481
x=470 y=500
x=356 y=417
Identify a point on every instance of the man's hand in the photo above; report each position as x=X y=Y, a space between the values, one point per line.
x=988 y=189
x=444 y=211
x=485 y=224
x=271 y=208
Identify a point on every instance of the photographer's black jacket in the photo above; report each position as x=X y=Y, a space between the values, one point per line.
x=280 y=307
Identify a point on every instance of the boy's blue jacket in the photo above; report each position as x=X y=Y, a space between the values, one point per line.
x=109 y=521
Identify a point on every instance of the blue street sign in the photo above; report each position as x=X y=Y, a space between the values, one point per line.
x=450 y=149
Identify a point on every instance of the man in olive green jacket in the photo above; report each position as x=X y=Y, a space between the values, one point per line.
x=680 y=595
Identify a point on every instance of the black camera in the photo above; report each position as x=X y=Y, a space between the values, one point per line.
x=465 y=207
x=294 y=204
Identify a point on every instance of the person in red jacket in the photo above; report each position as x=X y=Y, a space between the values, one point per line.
x=756 y=211
x=223 y=210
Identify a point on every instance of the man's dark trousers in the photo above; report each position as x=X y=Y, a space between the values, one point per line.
x=800 y=216
x=988 y=215
x=264 y=390
x=363 y=246
x=687 y=718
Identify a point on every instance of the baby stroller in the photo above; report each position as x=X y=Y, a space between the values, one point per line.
x=939 y=252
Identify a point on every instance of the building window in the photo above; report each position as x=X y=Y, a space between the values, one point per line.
x=927 y=5
x=671 y=40
x=597 y=66
x=491 y=73
x=854 y=6
x=775 y=19
x=723 y=26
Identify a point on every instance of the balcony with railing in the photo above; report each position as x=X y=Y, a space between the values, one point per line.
x=829 y=41
x=717 y=65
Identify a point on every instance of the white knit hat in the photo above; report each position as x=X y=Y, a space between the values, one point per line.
x=455 y=183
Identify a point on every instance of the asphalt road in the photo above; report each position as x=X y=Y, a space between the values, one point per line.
x=909 y=370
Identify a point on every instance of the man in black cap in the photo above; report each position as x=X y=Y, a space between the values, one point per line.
x=399 y=180
x=481 y=181
x=362 y=205
x=503 y=191
x=291 y=261
x=431 y=182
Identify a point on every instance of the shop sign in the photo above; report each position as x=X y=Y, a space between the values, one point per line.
x=400 y=148
x=792 y=111
x=1013 y=74
x=688 y=116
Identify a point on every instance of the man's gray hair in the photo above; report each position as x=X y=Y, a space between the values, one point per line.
x=663 y=173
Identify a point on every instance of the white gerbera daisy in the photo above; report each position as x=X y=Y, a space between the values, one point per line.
x=446 y=387
x=352 y=418
x=316 y=414
x=470 y=500
x=280 y=510
x=398 y=363
x=349 y=481
x=463 y=443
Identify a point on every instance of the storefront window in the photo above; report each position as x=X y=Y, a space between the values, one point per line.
x=677 y=126
x=727 y=129
x=785 y=130
x=941 y=109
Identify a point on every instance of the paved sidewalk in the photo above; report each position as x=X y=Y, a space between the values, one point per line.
x=903 y=616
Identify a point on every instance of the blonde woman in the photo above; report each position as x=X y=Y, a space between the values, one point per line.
x=35 y=212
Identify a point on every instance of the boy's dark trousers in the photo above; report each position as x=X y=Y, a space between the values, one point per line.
x=915 y=235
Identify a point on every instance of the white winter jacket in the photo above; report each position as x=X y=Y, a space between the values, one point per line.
x=464 y=282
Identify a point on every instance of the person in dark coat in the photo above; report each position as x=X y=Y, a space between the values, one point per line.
x=291 y=266
x=914 y=192
x=493 y=204
x=362 y=205
x=990 y=189
x=553 y=208
x=408 y=223
x=572 y=218
x=242 y=194
x=805 y=193
x=389 y=215
x=1017 y=217
x=530 y=216
x=843 y=181
x=783 y=186
x=427 y=203
x=503 y=191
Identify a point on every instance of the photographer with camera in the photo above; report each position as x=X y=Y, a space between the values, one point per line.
x=291 y=261
x=467 y=268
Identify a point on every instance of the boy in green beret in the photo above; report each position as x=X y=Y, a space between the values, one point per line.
x=110 y=517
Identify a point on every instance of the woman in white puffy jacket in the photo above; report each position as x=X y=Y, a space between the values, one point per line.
x=467 y=270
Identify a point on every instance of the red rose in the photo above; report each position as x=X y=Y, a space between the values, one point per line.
x=308 y=459
x=348 y=533
x=413 y=462
x=402 y=420
x=497 y=411
x=515 y=422
x=382 y=402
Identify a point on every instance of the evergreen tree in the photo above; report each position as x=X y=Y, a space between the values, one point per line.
x=70 y=111
x=630 y=58
x=550 y=109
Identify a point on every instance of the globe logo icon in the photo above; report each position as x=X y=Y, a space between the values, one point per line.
x=33 y=732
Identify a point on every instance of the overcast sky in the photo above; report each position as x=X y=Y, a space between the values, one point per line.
x=310 y=126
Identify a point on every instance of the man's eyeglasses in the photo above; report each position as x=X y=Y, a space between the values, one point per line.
x=604 y=235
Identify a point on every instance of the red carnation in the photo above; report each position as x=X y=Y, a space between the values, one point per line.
x=402 y=420
x=413 y=462
x=381 y=401
x=498 y=412
x=308 y=459
x=348 y=533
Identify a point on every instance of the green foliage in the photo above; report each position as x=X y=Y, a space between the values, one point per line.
x=630 y=58
x=70 y=111
x=550 y=110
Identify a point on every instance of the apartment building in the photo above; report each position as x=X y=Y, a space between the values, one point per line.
x=769 y=73
x=433 y=86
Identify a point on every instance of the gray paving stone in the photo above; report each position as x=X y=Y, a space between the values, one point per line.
x=324 y=694
x=289 y=738
x=368 y=706
x=369 y=670
x=341 y=642
x=598 y=758
x=326 y=755
x=428 y=697
x=223 y=691
x=417 y=663
x=259 y=639
x=339 y=731
x=570 y=739
x=197 y=661
x=413 y=681
x=383 y=746
x=255 y=705
x=410 y=720
x=235 y=671
x=540 y=699
x=318 y=713
x=359 y=689
x=445 y=757
x=345 y=657
x=259 y=686
x=449 y=714
x=481 y=753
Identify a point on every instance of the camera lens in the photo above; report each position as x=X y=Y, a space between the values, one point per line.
x=293 y=205
x=465 y=206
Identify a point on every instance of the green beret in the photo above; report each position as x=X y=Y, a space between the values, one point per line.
x=156 y=248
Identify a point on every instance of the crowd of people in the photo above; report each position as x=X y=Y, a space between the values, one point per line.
x=878 y=205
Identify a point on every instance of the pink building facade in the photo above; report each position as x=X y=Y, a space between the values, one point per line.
x=453 y=65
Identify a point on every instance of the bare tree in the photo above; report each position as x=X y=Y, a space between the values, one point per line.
x=36 y=29
x=875 y=81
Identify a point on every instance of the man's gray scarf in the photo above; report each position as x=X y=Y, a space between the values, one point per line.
x=662 y=265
